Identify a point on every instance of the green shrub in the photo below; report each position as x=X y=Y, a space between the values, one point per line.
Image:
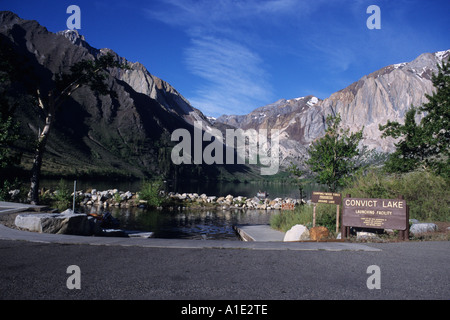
x=62 y=198
x=150 y=192
x=284 y=220
x=5 y=187
x=117 y=197
x=325 y=216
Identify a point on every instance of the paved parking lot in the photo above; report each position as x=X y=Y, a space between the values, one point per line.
x=35 y=266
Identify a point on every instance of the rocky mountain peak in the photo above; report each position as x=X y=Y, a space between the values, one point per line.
x=73 y=35
x=442 y=55
x=128 y=132
x=272 y=114
x=386 y=94
x=7 y=18
x=142 y=81
x=77 y=39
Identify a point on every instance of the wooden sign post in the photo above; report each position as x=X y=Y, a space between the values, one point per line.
x=326 y=197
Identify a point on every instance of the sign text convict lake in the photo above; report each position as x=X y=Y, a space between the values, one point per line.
x=375 y=213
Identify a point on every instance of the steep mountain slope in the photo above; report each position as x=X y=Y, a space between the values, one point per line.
x=386 y=94
x=292 y=117
x=383 y=95
x=127 y=133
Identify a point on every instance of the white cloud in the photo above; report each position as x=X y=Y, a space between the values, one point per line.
x=209 y=13
x=230 y=42
x=222 y=51
x=235 y=79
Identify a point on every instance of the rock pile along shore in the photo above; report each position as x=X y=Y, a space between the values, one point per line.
x=116 y=198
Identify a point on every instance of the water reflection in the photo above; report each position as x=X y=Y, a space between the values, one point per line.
x=187 y=224
x=211 y=224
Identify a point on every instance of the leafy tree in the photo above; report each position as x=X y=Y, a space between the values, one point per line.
x=410 y=150
x=91 y=73
x=426 y=144
x=8 y=134
x=295 y=171
x=9 y=128
x=335 y=157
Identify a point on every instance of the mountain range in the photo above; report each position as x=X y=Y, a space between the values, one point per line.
x=125 y=134
x=386 y=94
x=129 y=133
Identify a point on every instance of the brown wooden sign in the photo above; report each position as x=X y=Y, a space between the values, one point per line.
x=326 y=197
x=375 y=213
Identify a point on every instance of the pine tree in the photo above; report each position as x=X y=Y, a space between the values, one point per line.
x=426 y=144
x=436 y=123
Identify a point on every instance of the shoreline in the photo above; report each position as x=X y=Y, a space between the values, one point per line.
x=175 y=200
x=441 y=234
x=95 y=200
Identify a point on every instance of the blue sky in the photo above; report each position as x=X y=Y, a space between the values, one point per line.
x=231 y=56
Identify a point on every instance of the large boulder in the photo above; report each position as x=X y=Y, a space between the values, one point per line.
x=418 y=228
x=297 y=233
x=364 y=235
x=319 y=233
x=60 y=223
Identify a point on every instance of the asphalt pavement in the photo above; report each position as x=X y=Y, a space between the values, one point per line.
x=39 y=267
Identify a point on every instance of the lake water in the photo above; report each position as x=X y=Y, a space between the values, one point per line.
x=192 y=224
x=189 y=224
